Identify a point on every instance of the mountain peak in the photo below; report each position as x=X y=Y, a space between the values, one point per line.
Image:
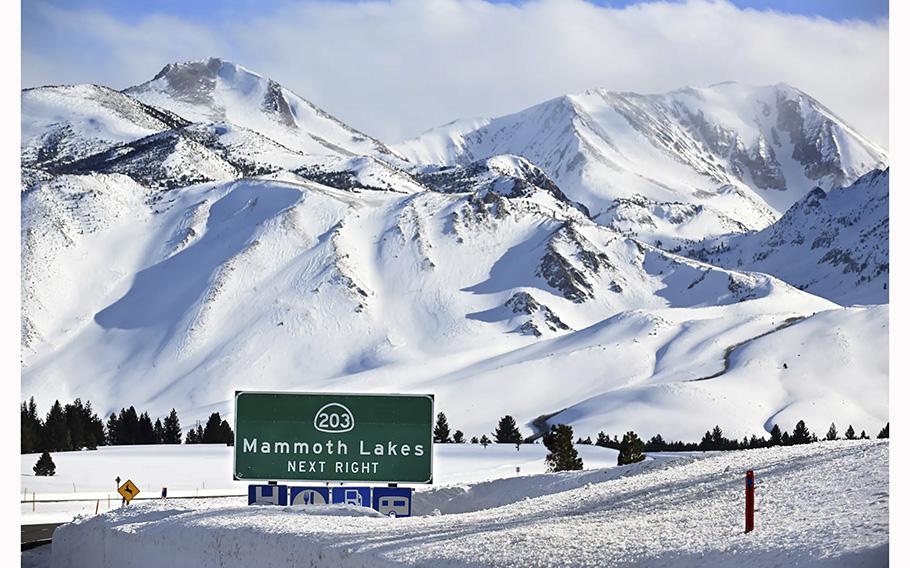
x=217 y=90
x=194 y=81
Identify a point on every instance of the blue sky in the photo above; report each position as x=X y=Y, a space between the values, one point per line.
x=394 y=68
x=201 y=10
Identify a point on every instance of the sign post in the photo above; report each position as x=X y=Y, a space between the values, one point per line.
x=750 y=501
x=333 y=437
x=128 y=491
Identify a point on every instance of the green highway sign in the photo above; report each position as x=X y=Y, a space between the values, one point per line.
x=333 y=437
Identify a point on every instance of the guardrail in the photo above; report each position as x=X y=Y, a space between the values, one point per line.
x=114 y=497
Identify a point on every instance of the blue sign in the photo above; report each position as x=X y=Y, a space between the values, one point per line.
x=359 y=496
x=268 y=495
x=309 y=495
x=392 y=501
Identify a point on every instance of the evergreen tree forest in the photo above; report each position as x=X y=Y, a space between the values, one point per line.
x=76 y=425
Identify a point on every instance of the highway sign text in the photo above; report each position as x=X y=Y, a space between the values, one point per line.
x=333 y=437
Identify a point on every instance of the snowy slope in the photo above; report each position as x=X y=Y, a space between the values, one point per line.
x=360 y=173
x=829 y=367
x=165 y=160
x=68 y=226
x=729 y=157
x=833 y=244
x=65 y=123
x=213 y=90
x=231 y=285
x=197 y=153
x=680 y=512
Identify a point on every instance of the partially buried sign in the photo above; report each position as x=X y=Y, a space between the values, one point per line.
x=333 y=437
x=128 y=490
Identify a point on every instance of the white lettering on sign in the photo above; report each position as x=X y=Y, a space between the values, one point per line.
x=356 y=467
x=390 y=449
x=331 y=447
x=334 y=418
x=306 y=466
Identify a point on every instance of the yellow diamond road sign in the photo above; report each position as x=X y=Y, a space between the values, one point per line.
x=128 y=490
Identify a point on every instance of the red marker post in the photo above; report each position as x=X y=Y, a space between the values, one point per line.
x=750 y=501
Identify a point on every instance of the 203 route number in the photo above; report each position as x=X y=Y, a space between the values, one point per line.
x=334 y=418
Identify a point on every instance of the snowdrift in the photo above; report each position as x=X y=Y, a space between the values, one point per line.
x=824 y=504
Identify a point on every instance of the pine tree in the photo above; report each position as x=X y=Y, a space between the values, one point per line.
x=851 y=433
x=212 y=433
x=602 y=440
x=94 y=427
x=832 y=433
x=474 y=440
x=706 y=442
x=507 y=431
x=785 y=439
x=717 y=438
x=45 y=465
x=172 y=432
x=128 y=431
x=458 y=437
x=863 y=436
x=159 y=431
x=195 y=435
x=656 y=444
x=56 y=434
x=74 y=415
x=631 y=449
x=801 y=434
x=884 y=431
x=563 y=456
x=113 y=430
x=227 y=433
x=146 y=433
x=484 y=441
x=777 y=438
x=31 y=427
x=441 y=432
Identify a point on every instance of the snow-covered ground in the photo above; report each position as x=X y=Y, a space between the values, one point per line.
x=86 y=479
x=824 y=504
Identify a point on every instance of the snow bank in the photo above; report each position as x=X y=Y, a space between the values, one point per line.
x=204 y=470
x=824 y=504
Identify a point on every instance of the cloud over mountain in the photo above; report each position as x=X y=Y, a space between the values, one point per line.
x=427 y=62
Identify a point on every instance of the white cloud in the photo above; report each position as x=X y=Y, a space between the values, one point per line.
x=396 y=68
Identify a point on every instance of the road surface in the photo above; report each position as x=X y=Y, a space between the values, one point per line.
x=35 y=533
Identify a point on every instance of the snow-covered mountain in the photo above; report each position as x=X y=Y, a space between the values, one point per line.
x=693 y=163
x=247 y=240
x=65 y=123
x=833 y=244
x=214 y=90
x=197 y=153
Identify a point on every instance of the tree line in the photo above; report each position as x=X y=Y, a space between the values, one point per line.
x=562 y=455
x=506 y=432
x=76 y=425
x=715 y=440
